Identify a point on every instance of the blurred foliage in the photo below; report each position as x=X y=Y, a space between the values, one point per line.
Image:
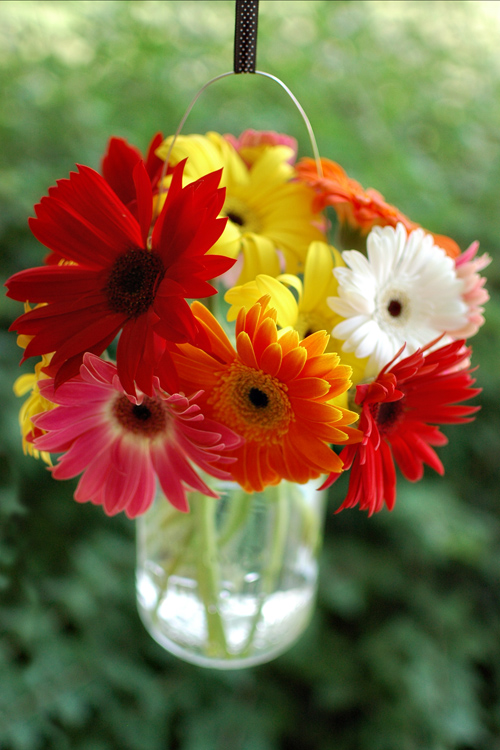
x=403 y=653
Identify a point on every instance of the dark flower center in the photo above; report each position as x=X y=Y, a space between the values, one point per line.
x=258 y=398
x=133 y=282
x=395 y=308
x=148 y=418
x=388 y=415
x=141 y=412
x=235 y=218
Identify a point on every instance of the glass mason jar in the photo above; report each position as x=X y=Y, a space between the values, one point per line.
x=232 y=583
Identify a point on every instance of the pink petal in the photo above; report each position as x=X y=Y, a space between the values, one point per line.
x=77 y=458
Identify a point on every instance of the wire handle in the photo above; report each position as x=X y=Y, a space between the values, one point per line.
x=245 y=36
x=245 y=48
x=310 y=131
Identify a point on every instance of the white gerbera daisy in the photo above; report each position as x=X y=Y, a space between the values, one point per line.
x=406 y=291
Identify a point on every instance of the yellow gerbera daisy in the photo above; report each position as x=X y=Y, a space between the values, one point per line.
x=34 y=404
x=307 y=310
x=271 y=221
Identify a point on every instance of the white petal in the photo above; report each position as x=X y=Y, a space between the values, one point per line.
x=351 y=303
x=347 y=327
x=410 y=269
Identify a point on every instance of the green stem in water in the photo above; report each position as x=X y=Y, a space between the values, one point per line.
x=159 y=541
x=204 y=510
x=240 y=504
x=274 y=567
x=170 y=569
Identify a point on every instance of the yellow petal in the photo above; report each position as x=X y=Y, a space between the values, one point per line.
x=292 y=280
x=24 y=383
x=282 y=299
x=244 y=295
x=259 y=256
x=318 y=274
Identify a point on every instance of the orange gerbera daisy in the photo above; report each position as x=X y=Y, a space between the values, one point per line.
x=357 y=208
x=274 y=391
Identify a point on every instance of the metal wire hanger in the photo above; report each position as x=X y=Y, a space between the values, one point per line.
x=245 y=58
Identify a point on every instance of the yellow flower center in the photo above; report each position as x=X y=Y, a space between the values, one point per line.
x=252 y=403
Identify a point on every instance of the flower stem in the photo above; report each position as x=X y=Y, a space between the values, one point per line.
x=274 y=567
x=204 y=509
x=238 y=511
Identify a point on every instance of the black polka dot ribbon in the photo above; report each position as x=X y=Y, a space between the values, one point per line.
x=245 y=36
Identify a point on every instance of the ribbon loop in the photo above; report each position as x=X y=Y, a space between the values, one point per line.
x=245 y=36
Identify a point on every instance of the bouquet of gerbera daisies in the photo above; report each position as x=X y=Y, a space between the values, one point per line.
x=196 y=328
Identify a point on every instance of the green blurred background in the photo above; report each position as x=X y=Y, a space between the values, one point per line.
x=404 y=650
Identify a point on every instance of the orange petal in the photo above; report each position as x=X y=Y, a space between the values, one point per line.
x=195 y=366
x=314 y=412
x=265 y=334
x=313 y=388
x=298 y=470
x=251 y=466
x=270 y=360
x=324 y=431
x=315 y=451
x=248 y=321
x=253 y=470
x=245 y=350
x=315 y=343
x=220 y=344
x=289 y=341
x=292 y=365
x=346 y=436
x=321 y=367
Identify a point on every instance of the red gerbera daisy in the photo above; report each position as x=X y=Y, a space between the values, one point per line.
x=119 y=277
x=397 y=412
x=117 y=166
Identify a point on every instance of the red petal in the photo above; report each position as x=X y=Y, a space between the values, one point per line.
x=176 y=321
x=117 y=166
x=83 y=220
x=130 y=352
x=53 y=283
x=93 y=329
x=188 y=223
x=72 y=366
x=144 y=200
x=389 y=473
x=154 y=164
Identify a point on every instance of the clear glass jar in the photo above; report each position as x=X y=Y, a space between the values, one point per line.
x=232 y=583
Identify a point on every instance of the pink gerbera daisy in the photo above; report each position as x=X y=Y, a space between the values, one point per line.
x=474 y=294
x=123 y=443
x=398 y=413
